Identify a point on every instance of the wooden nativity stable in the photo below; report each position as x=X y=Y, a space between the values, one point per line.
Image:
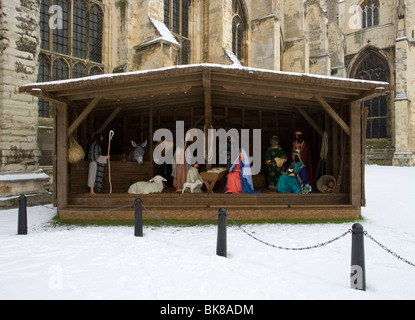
x=134 y=105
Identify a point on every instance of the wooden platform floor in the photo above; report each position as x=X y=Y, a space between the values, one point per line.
x=202 y=206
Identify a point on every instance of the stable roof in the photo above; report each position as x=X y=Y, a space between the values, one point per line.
x=227 y=86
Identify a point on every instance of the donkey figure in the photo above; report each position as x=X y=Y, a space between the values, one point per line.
x=138 y=153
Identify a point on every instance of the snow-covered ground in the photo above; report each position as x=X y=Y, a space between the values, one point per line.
x=181 y=263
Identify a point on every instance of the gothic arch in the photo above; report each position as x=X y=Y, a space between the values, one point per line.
x=240 y=29
x=366 y=54
x=370 y=64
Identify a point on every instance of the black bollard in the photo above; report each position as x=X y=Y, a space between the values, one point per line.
x=358 y=270
x=221 y=246
x=22 y=218
x=138 y=219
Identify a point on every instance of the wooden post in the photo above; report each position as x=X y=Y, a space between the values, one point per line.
x=355 y=155
x=62 y=177
x=150 y=133
x=208 y=110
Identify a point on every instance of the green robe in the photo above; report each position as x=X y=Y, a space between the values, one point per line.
x=274 y=172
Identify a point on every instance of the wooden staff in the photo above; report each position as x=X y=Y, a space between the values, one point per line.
x=109 y=161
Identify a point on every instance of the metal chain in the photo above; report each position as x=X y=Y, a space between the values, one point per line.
x=292 y=249
x=103 y=211
x=174 y=225
x=388 y=250
x=259 y=240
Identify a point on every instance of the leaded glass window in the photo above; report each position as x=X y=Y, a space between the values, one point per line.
x=96 y=22
x=176 y=18
x=370 y=14
x=80 y=29
x=43 y=76
x=72 y=45
x=60 y=70
x=61 y=33
x=79 y=71
x=238 y=29
x=373 y=68
x=44 y=24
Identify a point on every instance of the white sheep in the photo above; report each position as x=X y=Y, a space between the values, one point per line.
x=155 y=185
x=192 y=186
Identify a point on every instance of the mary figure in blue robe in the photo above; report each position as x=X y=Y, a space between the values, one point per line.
x=295 y=178
x=239 y=179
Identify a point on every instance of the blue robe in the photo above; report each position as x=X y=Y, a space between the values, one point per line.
x=296 y=183
x=245 y=176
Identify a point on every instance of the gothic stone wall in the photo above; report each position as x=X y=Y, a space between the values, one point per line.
x=19 y=45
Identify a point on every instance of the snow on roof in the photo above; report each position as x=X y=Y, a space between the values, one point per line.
x=233 y=58
x=164 y=32
x=24 y=176
x=111 y=76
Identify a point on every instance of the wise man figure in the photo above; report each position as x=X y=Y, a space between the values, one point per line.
x=275 y=159
x=299 y=145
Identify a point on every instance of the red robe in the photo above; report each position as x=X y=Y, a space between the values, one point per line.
x=234 y=184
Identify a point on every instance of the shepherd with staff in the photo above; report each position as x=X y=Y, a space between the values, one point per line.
x=96 y=165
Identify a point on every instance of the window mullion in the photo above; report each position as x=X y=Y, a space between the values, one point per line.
x=50 y=29
x=70 y=28
x=88 y=30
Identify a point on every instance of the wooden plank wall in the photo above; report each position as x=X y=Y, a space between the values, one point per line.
x=136 y=124
x=122 y=176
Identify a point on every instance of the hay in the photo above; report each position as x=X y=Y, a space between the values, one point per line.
x=75 y=152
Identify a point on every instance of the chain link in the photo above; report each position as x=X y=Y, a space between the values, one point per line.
x=102 y=211
x=388 y=250
x=181 y=226
x=257 y=239
x=285 y=248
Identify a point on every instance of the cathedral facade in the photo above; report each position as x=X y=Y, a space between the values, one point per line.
x=45 y=40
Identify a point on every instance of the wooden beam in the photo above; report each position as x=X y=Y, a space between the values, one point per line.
x=207 y=87
x=49 y=96
x=269 y=93
x=83 y=115
x=334 y=115
x=369 y=95
x=108 y=121
x=153 y=93
x=310 y=120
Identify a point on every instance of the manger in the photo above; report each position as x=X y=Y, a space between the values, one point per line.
x=136 y=105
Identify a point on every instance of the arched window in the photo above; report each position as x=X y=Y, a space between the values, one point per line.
x=370 y=13
x=176 y=18
x=372 y=67
x=79 y=71
x=74 y=38
x=60 y=70
x=95 y=71
x=238 y=29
